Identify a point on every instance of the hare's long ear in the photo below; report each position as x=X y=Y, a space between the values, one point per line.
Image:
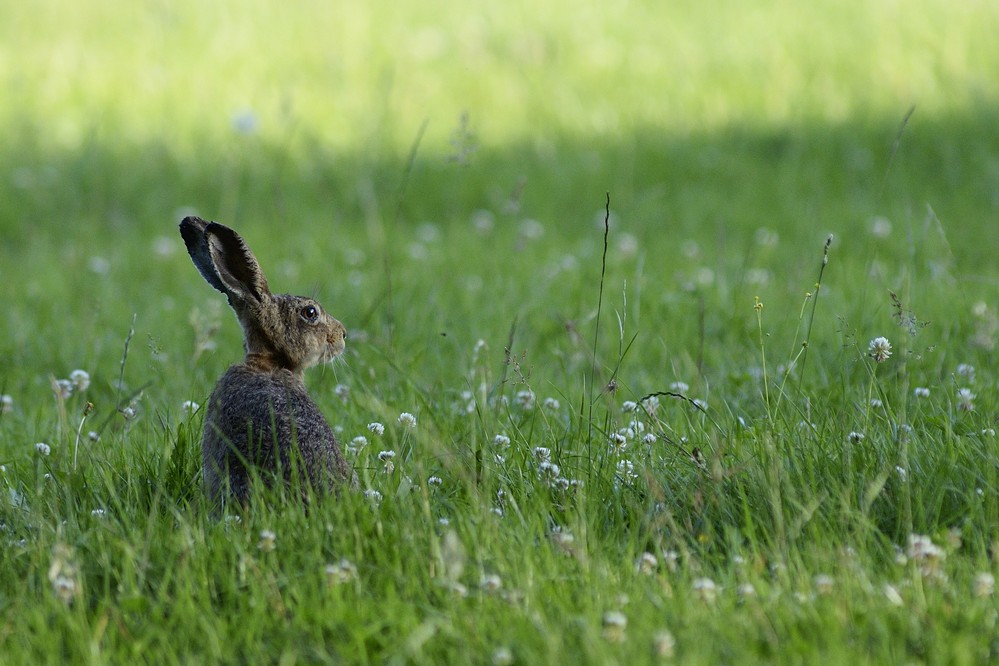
x=235 y=265
x=192 y=229
x=223 y=259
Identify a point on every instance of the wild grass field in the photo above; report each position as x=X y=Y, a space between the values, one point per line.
x=585 y=247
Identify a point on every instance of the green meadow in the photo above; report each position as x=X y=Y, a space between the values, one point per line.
x=694 y=304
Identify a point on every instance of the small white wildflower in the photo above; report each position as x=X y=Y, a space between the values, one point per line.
x=525 y=399
x=984 y=585
x=876 y=403
x=80 y=379
x=65 y=588
x=443 y=521
x=880 y=227
x=706 y=589
x=98 y=513
x=967 y=371
x=245 y=122
x=407 y=420
x=965 y=399
x=502 y=656
x=902 y=474
x=636 y=427
x=615 y=622
x=824 y=584
x=189 y=407
x=663 y=644
x=629 y=406
x=649 y=438
x=359 y=442
x=855 y=437
x=626 y=470
x=501 y=441
x=543 y=454
x=679 y=387
x=651 y=404
x=617 y=440
x=268 y=541
x=548 y=470
x=646 y=563
x=377 y=428
x=63 y=389
x=43 y=448
x=921 y=392
x=128 y=412
x=373 y=496
x=988 y=432
x=746 y=591
x=551 y=403
x=879 y=349
x=6 y=404
x=435 y=481
x=490 y=582
x=342 y=391
x=700 y=404
x=340 y=572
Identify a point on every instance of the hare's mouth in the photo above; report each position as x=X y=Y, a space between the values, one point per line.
x=332 y=351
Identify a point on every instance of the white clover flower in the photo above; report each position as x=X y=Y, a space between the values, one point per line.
x=649 y=438
x=922 y=549
x=342 y=391
x=988 y=432
x=359 y=442
x=746 y=590
x=879 y=349
x=542 y=453
x=921 y=392
x=377 y=428
x=706 y=589
x=385 y=456
x=679 y=387
x=903 y=475
x=663 y=644
x=490 y=582
x=525 y=399
x=501 y=441
x=63 y=389
x=373 y=496
x=443 y=521
x=824 y=584
x=646 y=563
x=855 y=437
x=43 y=448
x=548 y=470
x=502 y=656
x=80 y=379
x=880 y=227
x=128 y=412
x=615 y=622
x=268 y=541
x=965 y=400
x=65 y=588
x=626 y=470
x=876 y=403
x=6 y=404
x=98 y=513
x=984 y=585
x=189 y=407
x=629 y=406
x=967 y=371
x=407 y=420
x=435 y=481
x=700 y=404
x=340 y=572
x=651 y=404
x=617 y=440
x=551 y=403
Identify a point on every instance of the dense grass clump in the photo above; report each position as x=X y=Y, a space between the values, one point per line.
x=615 y=287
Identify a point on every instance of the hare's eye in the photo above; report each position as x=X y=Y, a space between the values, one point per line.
x=310 y=313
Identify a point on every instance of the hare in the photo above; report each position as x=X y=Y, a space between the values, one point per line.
x=260 y=417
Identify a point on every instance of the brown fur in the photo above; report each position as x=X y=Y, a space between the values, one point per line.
x=260 y=418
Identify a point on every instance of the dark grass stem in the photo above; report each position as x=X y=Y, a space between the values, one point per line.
x=596 y=328
x=811 y=315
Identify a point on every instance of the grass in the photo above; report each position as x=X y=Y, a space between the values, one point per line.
x=437 y=176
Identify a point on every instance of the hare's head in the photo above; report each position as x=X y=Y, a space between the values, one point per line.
x=280 y=330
